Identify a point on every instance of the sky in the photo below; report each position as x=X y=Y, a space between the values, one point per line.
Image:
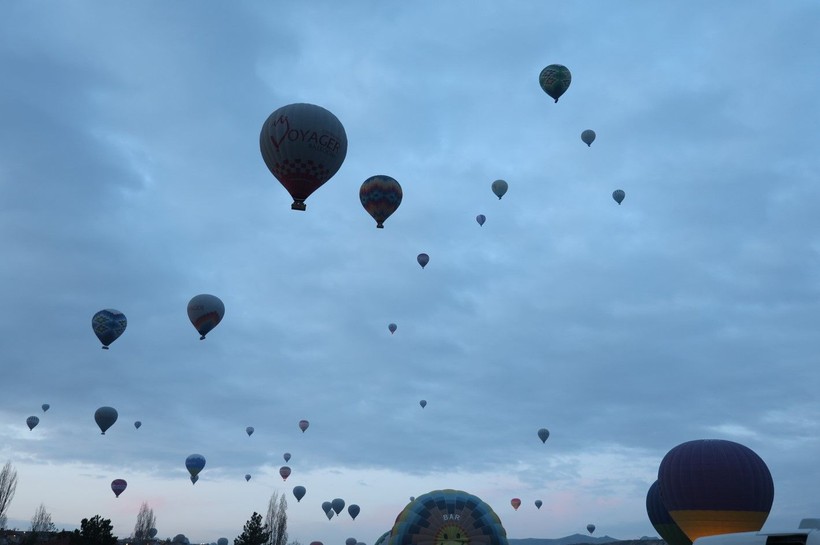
x=131 y=178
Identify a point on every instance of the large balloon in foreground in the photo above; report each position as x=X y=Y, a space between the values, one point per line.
x=555 y=80
x=499 y=187
x=284 y=472
x=303 y=145
x=194 y=464
x=516 y=503
x=588 y=137
x=618 y=195
x=543 y=434
x=299 y=493
x=353 y=510
x=447 y=517
x=538 y=504
x=590 y=528
x=714 y=486
x=105 y=418
x=661 y=520
x=108 y=325
x=337 y=504
x=380 y=196
x=45 y=407
x=118 y=486
x=303 y=425
x=481 y=218
x=392 y=328
x=205 y=312
x=249 y=430
x=31 y=422
x=423 y=260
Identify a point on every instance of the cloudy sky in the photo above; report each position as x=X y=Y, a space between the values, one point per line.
x=131 y=178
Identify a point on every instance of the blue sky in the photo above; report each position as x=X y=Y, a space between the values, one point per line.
x=131 y=178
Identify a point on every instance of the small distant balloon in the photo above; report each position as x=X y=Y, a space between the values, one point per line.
x=350 y=541
x=205 y=312
x=105 y=418
x=31 y=422
x=423 y=260
x=45 y=407
x=353 y=511
x=284 y=472
x=590 y=528
x=222 y=541
x=516 y=503
x=338 y=504
x=618 y=195
x=194 y=464
x=392 y=328
x=588 y=137
x=247 y=476
x=499 y=187
x=152 y=533
x=554 y=80
x=249 y=430
x=543 y=434
x=423 y=403
x=299 y=493
x=108 y=325
x=118 y=486
x=481 y=218
x=380 y=196
x=137 y=424
x=538 y=504
x=286 y=456
x=303 y=425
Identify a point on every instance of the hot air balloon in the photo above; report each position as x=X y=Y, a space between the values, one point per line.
x=382 y=539
x=45 y=407
x=205 y=312
x=195 y=463
x=618 y=195
x=661 y=520
x=543 y=434
x=31 y=422
x=499 y=187
x=286 y=456
x=353 y=510
x=284 y=472
x=588 y=137
x=412 y=498
x=105 y=418
x=303 y=145
x=423 y=403
x=516 y=503
x=303 y=425
x=327 y=508
x=108 y=325
x=222 y=541
x=152 y=533
x=481 y=218
x=555 y=80
x=590 y=528
x=447 y=517
x=714 y=486
x=392 y=328
x=538 y=504
x=137 y=424
x=337 y=504
x=350 y=541
x=380 y=196
x=118 y=486
x=249 y=430
x=299 y=493
x=423 y=260
x=247 y=477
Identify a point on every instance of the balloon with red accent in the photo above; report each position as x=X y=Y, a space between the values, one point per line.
x=516 y=503
x=118 y=486
x=205 y=312
x=380 y=196
x=284 y=472
x=303 y=425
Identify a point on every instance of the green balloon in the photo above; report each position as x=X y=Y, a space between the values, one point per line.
x=555 y=80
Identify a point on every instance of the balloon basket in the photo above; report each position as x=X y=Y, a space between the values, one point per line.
x=298 y=205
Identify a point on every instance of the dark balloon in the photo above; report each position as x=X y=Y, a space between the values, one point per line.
x=205 y=312
x=714 y=486
x=284 y=472
x=194 y=479
x=222 y=541
x=538 y=504
x=423 y=260
x=299 y=493
x=555 y=80
x=326 y=506
x=337 y=504
x=590 y=528
x=45 y=407
x=108 y=325
x=194 y=464
x=380 y=196
x=249 y=430
x=247 y=477
x=152 y=533
x=303 y=425
x=543 y=434
x=31 y=422
x=137 y=424
x=481 y=218
x=618 y=195
x=661 y=519
x=105 y=418
x=499 y=187
x=588 y=137
x=303 y=145
x=447 y=517
x=353 y=511
x=350 y=541
x=392 y=328
x=286 y=456
x=118 y=486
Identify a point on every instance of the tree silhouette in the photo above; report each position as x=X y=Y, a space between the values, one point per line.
x=254 y=532
x=94 y=531
x=8 y=486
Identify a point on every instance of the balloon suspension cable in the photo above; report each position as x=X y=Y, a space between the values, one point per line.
x=298 y=205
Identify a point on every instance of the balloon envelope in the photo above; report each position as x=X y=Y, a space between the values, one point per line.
x=714 y=486
x=392 y=328
x=353 y=510
x=108 y=325
x=543 y=434
x=423 y=260
x=205 y=312
x=554 y=80
x=661 y=519
x=590 y=528
x=538 y=504
x=380 y=196
x=284 y=472
x=247 y=476
x=105 y=418
x=516 y=503
x=447 y=517
x=481 y=218
x=303 y=145
x=326 y=506
x=337 y=504
x=286 y=456
x=350 y=541
x=303 y=425
x=249 y=430
x=423 y=403
x=299 y=492
x=137 y=424
x=618 y=195
x=153 y=533
x=118 y=486
x=32 y=421
x=588 y=137
x=194 y=464
x=222 y=541
x=45 y=407
x=499 y=187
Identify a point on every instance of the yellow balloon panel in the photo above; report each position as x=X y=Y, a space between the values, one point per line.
x=697 y=524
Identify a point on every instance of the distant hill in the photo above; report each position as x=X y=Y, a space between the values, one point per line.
x=581 y=539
